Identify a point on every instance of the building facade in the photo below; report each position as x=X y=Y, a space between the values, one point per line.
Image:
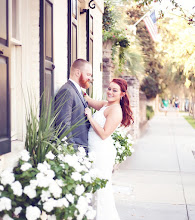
x=39 y=40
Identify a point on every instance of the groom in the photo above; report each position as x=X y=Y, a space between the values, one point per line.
x=70 y=104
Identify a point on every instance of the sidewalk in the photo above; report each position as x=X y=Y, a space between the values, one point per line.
x=158 y=181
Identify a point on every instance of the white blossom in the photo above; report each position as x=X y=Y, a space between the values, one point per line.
x=50 y=155
x=25 y=166
x=1 y=188
x=49 y=205
x=43 y=181
x=79 y=190
x=17 y=210
x=24 y=155
x=32 y=213
x=17 y=188
x=62 y=203
x=76 y=176
x=82 y=206
x=7 y=177
x=30 y=191
x=55 y=189
x=5 y=204
x=42 y=167
x=7 y=217
x=70 y=198
x=124 y=157
x=59 y=182
x=90 y=214
x=45 y=195
x=87 y=178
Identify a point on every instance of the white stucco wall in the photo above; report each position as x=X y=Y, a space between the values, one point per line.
x=60 y=43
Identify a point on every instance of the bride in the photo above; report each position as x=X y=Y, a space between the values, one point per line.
x=111 y=113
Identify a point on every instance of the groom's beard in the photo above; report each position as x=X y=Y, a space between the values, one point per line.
x=84 y=83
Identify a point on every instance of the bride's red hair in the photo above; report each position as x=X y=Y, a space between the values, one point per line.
x=124 y=102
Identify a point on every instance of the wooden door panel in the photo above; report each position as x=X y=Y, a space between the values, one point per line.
x=5 y=140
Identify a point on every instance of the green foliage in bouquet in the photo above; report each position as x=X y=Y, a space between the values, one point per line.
x=123 y=143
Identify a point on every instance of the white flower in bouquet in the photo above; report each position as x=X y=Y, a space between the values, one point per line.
x=30 y=191
x=1 y=188
x=7 y=217
x=87 y=178
x=55 y=189
x=45 y=195
x=7 y=177
x=17 y=210
x=33 y=213
x=17 y=188
x=49 y=205
x=82 y=205
x=24 y=155
x=91 y=214
x=50 y=155
x=117 y=144
x=89 y=197
x=76 y=176
x=5 y=204
x=62 y=203
x=70 y=198
x=26 y=166
x=79 y=190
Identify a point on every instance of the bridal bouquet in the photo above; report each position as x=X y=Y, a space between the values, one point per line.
x=61 y=187
x=123 y=143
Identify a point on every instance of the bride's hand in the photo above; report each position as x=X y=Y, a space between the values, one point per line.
x=88 y=113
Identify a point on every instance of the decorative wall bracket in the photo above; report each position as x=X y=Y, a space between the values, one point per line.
x=91 y=5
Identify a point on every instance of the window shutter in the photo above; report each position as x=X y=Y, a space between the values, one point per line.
x=5 y=140
x=46 y=49
x=72 y=32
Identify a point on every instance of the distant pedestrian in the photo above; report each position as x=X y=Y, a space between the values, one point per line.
x=177 y=103
x=165 y=105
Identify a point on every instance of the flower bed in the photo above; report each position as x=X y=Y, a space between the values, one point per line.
x=61 y=187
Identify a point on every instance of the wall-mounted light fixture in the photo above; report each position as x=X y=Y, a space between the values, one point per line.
x=86 y=5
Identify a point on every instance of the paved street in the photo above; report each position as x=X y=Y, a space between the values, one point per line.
x=158 y=181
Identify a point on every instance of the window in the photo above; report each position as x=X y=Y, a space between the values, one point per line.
x=72 y=32
x=5 y=140
x=46 y=50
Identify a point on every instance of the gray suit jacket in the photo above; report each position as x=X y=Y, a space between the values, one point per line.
x=70 y=106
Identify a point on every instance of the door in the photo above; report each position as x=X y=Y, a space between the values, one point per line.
x=5 y=140
x=46 y=50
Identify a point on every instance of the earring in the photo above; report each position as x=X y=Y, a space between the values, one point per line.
x=121 y=98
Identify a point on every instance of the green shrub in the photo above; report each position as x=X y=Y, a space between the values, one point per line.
x=149 y=112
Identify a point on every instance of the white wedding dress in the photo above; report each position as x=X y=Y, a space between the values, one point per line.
x=105 y=154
